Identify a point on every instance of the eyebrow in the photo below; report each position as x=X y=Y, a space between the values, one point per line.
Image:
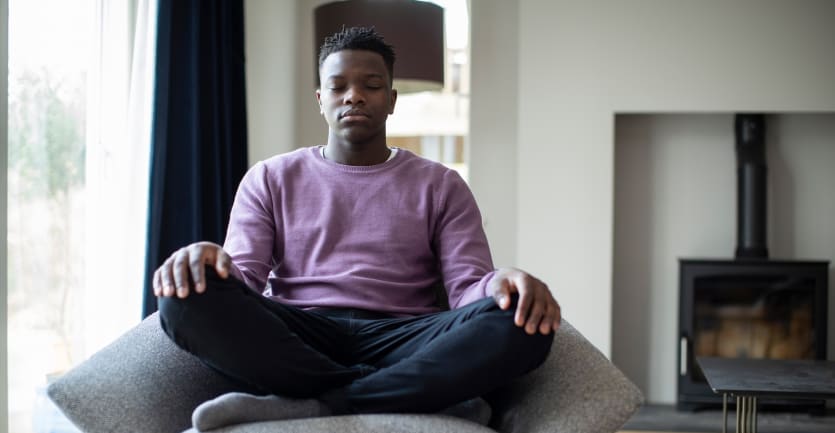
x=367 y=76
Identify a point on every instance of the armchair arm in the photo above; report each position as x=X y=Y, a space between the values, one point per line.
x=576 y=389
x=142 y=382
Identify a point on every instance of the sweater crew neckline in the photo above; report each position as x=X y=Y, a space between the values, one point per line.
x=395 y=159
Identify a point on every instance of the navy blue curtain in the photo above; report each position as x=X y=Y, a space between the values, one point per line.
x=199 y=127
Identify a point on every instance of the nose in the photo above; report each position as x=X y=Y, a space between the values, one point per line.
x=354 y=96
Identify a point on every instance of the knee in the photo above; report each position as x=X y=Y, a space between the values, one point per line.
x=178 y=316
x=505 y=326
x=170 y=307
x=531 y=349
x=539 y=349
x=171 y=312
x=187 y=321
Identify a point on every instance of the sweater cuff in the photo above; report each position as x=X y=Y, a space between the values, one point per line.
x=477 y=291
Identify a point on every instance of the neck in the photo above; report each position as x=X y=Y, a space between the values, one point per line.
x=368 y=153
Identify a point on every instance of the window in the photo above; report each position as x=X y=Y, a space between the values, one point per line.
x=435 y=125
x=79 y=140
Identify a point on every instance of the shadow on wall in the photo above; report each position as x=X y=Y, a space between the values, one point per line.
x=780 y=185
x=633 y=196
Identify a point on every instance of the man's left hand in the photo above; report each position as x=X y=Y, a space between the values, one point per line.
x=536 y=310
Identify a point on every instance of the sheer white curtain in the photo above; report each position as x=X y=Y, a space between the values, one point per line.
x=119 y=108
x=4 y=85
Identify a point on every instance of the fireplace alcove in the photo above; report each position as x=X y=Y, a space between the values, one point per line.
x=675 y=197
x=749 y=308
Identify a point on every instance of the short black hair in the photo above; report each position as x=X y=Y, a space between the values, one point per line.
x=358 y=38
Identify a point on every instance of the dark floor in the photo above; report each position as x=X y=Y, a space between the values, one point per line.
x=663 y=418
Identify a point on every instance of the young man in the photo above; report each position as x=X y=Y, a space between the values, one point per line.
x=348 y=243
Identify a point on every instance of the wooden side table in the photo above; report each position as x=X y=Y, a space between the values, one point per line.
x=749 y=379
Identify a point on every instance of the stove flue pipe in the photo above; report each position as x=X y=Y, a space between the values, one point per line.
x=751 y=186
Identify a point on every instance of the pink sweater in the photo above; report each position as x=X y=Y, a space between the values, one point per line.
x=314 y=233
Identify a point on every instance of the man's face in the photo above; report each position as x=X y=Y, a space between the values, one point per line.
x=356 y=97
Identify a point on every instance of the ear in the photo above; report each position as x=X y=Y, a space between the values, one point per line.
x=393 y=100
x=319 y=100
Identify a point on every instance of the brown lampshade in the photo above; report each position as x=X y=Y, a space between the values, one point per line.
x=414 y=28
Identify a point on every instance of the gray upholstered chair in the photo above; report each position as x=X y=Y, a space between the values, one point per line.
x=143 y=383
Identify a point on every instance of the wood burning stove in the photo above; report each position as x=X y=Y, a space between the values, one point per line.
x=751 y=309
x=749 y=306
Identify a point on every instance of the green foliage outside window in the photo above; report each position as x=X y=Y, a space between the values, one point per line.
x=46 y=134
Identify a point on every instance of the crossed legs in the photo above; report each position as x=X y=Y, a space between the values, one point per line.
x=354 y=361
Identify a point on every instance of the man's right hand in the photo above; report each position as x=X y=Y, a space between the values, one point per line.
x=172 y=278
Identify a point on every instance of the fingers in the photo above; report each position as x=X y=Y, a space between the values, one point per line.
x=546 y=324
x=166 y=278
x=536 y=310
x=200 y=255
x=527 y=296
x=180 y=269
x=501 y=293
x=544 y=314
x=535 y=318
x=557 y=318
x=222 y=263
x=196 y=264
x=185 y=270
x=523 y=307
x=551 y=320
x=157 y=283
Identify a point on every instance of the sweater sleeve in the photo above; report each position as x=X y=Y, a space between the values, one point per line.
x=250 y=238
x=461 y=245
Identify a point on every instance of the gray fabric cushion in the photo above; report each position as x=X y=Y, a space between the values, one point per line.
x=362 y=424
x=140 y=383
x=575 y=390
x=143 y=383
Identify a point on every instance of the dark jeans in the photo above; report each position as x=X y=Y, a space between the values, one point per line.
x=356 y=361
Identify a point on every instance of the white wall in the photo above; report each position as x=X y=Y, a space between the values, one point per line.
x=4 y=76
x=675 y=197
x=270 y=41
x=311 y=129
x=493 y=122
x=281 y=77
x=580 y=62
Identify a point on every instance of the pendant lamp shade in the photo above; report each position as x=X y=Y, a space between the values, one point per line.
x=414 y=28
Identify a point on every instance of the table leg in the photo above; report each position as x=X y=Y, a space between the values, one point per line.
x=724 y=412
x=746 y=414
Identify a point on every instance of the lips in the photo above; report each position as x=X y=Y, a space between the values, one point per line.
x=353 y=114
